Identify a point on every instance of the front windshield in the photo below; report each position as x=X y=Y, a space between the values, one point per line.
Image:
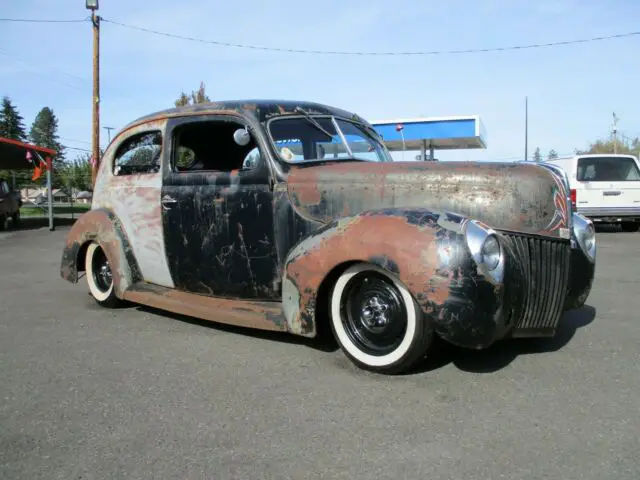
x=298 y=139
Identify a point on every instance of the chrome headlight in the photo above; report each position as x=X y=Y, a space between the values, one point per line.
x=486 y=250
x=585 y=234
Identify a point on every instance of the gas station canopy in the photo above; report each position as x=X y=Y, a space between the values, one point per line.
x=432 y=133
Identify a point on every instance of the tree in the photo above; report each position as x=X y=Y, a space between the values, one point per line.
x=624 y=146
x=197 y=96
x=11 y=122
x=537 y=156
x=76 y=173
x=552 y=154
x=44 y=133
x=12 y=126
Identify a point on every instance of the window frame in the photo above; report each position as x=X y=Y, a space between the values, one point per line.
x=261 y=173
x=121 y=150
x=331 y=117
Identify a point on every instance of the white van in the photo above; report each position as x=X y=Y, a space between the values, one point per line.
x=604 y=187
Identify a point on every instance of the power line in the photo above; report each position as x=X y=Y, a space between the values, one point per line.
x=39 y=68
x=34 y=20
x=330 y=52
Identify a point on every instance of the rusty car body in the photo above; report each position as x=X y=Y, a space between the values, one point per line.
x=292 y=216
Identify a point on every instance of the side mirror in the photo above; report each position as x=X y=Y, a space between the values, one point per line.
x=242 y=137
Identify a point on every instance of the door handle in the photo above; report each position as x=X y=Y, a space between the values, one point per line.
x=167 y=200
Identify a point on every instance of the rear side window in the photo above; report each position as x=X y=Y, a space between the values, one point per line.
x=139 y=154
x=607 y=169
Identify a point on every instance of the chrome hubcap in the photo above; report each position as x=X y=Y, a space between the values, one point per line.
x=102 y=274
x=374 y=313
x=105 y=273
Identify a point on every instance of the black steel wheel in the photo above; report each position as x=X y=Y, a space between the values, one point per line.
x=376 y=320
x=373 y=313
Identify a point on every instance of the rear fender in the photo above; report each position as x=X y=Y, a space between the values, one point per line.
x=412 y=244
x=103 y=227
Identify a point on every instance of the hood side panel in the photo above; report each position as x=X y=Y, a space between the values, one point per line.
x=521 y=197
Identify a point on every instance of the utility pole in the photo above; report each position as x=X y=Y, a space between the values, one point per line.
x=526 y=128
x=615 y=133
x=108 y=129
x=95 y=20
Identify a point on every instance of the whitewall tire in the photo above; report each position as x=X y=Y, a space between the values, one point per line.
x=100 y=277
x=376 y=321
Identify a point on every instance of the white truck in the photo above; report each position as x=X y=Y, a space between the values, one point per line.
x=605 y=187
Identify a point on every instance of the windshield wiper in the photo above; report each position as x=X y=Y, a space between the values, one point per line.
x=313 y=121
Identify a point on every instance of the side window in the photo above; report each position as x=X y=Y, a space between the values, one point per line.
x=139 y=154
x=5 y=187
x=209 y=145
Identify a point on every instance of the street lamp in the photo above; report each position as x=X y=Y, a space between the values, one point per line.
x=91 y=4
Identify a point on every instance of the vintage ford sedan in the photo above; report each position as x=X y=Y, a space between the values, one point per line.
x=292 y=216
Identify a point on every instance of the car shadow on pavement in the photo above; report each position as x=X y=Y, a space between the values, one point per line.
x=323 y=341
x=490 y=360
x=502 y=353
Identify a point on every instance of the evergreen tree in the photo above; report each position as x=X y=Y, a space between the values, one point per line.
x=44 y=133
x=11 y=122
x=552 y=154
x=537 y=156
x=12 y=126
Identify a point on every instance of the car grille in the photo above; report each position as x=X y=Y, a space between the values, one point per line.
x=537 y=283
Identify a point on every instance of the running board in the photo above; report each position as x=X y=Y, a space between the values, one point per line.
x=242 y=313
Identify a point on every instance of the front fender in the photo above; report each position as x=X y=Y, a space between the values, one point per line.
x=416 y=245
x=101 y=226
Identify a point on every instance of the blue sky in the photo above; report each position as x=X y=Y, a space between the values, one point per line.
x=572 y=90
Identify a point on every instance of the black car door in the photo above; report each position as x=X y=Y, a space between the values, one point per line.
x=217 y=211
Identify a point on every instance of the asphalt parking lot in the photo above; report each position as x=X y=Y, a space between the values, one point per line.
x=89 y=393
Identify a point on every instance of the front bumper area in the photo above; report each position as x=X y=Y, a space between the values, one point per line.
x=583 y=273
x=543 y=278
x=537 y=283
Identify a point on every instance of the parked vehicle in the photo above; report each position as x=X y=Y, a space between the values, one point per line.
x=605 y=187
x=292 y=216
x=10 y=203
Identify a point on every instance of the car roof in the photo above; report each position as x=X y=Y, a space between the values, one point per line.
x=260 y=110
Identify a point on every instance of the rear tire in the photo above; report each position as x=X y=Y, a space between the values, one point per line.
x=16 y=219
x=100 y=277
x=630 y=226
x=376 y=321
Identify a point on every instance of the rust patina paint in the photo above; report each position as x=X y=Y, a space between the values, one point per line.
x=517 y=197
x=368 y=238
x=98 y=226
x=250 y=314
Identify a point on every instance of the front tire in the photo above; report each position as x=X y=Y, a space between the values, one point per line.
x=100 y=277
x=376 y=321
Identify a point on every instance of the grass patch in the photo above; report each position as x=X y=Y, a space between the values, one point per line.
x=78 y=209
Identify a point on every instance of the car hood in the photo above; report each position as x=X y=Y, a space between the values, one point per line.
x=520 y=197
